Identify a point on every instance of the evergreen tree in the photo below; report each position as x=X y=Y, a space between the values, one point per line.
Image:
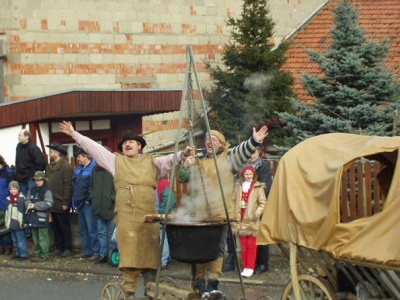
x=355 y=94
x=252 y=87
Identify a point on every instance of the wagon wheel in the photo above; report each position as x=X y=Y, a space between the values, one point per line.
x=112 y=291
x=311 y=288
x=168 y=280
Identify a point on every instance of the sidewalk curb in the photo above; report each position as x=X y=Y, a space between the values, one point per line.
x=277 y=277
x=63 y=270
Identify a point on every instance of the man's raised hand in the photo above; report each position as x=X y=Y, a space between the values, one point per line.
x=260 y=135
x=67 y=128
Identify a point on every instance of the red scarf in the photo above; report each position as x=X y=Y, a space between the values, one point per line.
x=13 y=199
x=245 y=198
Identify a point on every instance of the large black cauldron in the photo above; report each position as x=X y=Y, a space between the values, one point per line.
x=196 y=242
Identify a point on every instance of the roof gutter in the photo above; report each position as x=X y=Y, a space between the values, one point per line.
x=92 y=90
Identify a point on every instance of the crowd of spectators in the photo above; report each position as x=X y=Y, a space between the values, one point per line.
x=34 y=201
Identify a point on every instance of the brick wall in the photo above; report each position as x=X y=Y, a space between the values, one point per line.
x=53 y=46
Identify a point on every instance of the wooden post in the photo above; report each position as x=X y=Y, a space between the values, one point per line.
x=293 y=261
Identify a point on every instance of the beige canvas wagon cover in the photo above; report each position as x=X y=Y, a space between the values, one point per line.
x=305 y=197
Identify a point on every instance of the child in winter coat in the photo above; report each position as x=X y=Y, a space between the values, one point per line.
x=38 y=203
x=15 y=221
x=248 y=201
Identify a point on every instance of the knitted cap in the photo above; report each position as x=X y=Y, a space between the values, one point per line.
x=14 y=184
x=249 y=168
x=221 y=137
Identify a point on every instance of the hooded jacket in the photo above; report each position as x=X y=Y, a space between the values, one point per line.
x=14 y=219
x=42 y=198
x=250 y=223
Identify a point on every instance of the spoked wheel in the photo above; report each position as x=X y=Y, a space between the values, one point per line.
x=311 y=288
x=112 y=291
x=168 y=280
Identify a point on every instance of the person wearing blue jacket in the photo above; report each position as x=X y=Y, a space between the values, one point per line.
x=82 y=202
x=6 y=176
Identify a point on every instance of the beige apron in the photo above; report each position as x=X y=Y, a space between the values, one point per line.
x=135 y=183
x=207 y=167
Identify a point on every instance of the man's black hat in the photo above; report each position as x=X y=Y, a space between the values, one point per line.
x=129 y=135
x=59 y=148
x=80 y=151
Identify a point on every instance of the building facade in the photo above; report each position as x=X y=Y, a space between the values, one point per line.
x=53 y=46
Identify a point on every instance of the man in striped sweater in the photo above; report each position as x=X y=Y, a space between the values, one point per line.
x=229 y=161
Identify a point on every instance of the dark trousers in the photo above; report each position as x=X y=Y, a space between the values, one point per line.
x=229 y=242
x=62 y=230
x=25 y=188
x=262 y=255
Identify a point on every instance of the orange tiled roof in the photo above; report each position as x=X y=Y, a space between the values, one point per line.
x=380 y=19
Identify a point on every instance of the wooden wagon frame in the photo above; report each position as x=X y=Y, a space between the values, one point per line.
x=333 y=211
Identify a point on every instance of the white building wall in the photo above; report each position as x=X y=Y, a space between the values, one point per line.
x=9 y=138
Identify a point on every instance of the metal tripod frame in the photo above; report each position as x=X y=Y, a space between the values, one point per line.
x=190 y=64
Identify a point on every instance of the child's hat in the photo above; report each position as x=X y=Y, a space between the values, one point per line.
x=14 y=184
x=39 y=175
x=248 y=168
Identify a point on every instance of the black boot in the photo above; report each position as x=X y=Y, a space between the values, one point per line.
x=199 y=285
x=229 y=265
x=212 y=291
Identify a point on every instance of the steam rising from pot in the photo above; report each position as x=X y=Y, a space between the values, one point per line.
x=194 y=206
